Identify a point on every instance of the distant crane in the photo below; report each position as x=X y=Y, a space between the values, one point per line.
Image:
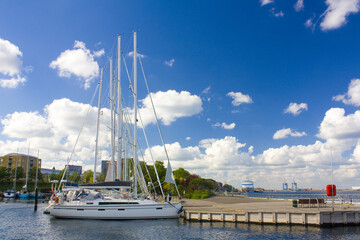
x=294 y=187
x=285 y=185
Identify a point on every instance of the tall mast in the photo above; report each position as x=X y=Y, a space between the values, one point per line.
x=17 y=156
x=27 y=168
x=135 y=115
x=37 y=170
x=125 y=158
x=98 y=125
x=112 y=129
x=120 y=116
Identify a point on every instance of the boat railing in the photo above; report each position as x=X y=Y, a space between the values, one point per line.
x=174 y=199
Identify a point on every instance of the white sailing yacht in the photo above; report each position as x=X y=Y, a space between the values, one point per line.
x=117 y=199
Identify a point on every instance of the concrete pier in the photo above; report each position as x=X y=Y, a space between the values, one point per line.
x=263 y=211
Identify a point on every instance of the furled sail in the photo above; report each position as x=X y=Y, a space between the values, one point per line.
x=169 y=177
x=109 y=175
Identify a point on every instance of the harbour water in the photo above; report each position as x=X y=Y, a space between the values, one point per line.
x=19 y=221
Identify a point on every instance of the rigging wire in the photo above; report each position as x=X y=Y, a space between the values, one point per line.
x=157 y=175
x=77 y=139
x=157 y=122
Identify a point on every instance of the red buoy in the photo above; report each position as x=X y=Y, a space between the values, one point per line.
x=330 y=190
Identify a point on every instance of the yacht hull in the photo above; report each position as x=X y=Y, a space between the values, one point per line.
x=121 y=212
x=9 y=195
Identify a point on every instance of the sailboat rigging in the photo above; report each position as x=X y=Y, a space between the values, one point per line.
x=114 y=199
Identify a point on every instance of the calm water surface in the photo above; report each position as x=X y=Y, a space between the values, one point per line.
x=19 y=221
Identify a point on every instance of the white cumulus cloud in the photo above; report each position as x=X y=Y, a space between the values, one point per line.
x=276 y=14
x=139 y=55
x=79 y=62
x=12 y=82
x=225 y=126
x=170 y=63
x=336 y=125
x=170 y=106
x=239 y=98
x=352 y=97
x=296 y=108
x=299 y=5
x=10 y=65
x=309 y=23
x=211 y=156
x=265 y=2
x=337 y=12
x=206 y=90
x=286 y=132
x=99 y=53
x=54 y=132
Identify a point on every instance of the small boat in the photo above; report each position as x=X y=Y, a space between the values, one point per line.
x=10 y=193
x=24 y=195
x=32 y=196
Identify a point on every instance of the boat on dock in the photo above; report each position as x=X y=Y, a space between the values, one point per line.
x=128 y=196
x=89 y=202
x=10 y=193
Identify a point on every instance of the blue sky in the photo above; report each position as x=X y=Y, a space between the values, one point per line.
x=223 y=74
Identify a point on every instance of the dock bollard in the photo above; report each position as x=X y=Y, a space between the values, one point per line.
x=36 y=199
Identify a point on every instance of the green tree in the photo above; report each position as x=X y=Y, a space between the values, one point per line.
x=180 y=176
x=202 y=184
x=60 y=175
x=53 y=176
x=181 y=173
x=75 y=177
x=189 y=178
x=100 y=178
x=20 y=173
x=32 y=174
x=228 y=187
x=88 y=176
x=161 y=170
x=4 y=174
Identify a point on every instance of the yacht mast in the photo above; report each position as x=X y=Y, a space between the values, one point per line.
x=125 y=158
x=37 y=170
x=98 y=125
x=16 y=166
x=135 y=116
x=27 y=168
x=112 y=129
x=120 y=116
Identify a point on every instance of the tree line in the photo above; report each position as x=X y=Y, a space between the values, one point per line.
x=189 y=185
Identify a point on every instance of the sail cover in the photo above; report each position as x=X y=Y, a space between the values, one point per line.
x=169 y=177
x=109 y=176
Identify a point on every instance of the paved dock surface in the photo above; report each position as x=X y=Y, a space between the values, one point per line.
x=241 y=203
x=243 y=209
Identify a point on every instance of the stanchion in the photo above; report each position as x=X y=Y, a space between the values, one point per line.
x=36 y=199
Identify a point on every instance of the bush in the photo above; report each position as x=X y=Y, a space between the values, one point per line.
x=199 y=194
x=42 y=186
